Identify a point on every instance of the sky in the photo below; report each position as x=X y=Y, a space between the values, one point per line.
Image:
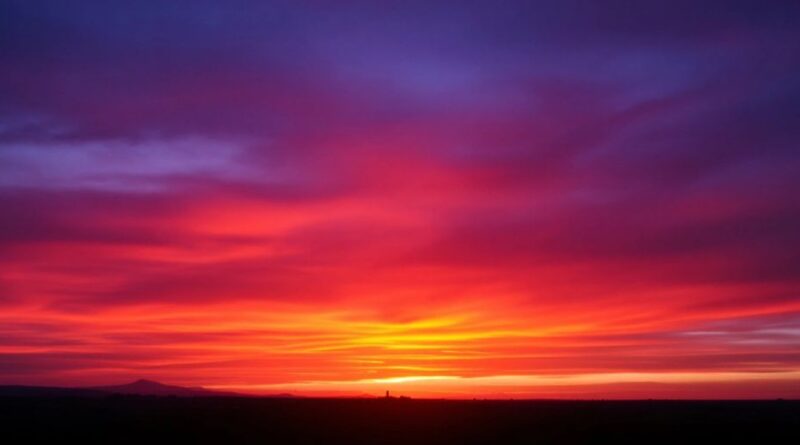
x=569 y=199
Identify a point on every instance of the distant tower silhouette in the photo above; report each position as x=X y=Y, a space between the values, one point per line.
x=387 y=393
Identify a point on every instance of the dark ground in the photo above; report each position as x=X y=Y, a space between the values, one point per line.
x=228 y=420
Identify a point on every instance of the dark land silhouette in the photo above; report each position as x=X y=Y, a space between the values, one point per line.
x=141 y=387
x=144 y=387
x=162 y=413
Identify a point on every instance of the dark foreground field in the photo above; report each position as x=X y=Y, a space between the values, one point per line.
x=227 y=420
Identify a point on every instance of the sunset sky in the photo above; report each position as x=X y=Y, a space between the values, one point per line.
x=563 y=198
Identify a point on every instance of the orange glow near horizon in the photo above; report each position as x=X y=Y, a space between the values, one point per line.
x=269 y=300
x=471 y=350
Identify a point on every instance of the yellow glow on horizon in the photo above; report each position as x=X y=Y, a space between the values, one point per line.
x=457 y=385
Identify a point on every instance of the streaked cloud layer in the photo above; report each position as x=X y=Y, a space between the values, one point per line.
x=448 y=198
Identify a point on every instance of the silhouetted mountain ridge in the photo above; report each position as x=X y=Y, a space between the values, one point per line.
x=141 y=387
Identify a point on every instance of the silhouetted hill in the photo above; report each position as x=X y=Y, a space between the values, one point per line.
x=140 y=387
x=144 y=387
x=47 y=391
